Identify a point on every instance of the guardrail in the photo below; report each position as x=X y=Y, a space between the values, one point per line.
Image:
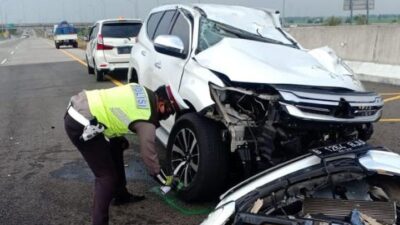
x=366 y=43
x=49 y=25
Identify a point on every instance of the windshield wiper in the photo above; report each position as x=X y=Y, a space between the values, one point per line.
x=273 y=41
x=247 y=35
x=289 y=38
x=239 y=33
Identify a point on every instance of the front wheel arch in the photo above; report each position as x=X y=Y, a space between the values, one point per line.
x=183 y=112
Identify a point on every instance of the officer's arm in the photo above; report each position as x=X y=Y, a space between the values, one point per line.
x=147 y=134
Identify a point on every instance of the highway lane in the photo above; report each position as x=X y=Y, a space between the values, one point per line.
x=43 y=178
x=8 y=49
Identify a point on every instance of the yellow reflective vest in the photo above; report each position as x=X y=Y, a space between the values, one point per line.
x=117 y=107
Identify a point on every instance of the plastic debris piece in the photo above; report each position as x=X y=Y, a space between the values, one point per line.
x=309 y=222
x=257 y=206
x=165 y=189
x=359 y=218
x=355 y=218
x=369 y=220
x=378 y=193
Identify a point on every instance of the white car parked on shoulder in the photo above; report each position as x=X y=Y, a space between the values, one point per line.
x=257 y=97
x=109 y=45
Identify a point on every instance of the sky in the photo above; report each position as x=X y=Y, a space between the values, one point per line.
x=54 y=11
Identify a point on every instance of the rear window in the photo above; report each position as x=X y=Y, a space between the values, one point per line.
x=121 y=30
x=65 y=30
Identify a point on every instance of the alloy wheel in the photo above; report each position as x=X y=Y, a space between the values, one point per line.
x=185 y=156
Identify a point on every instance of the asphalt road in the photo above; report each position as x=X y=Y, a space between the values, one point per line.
x=7 y=49
x=43 y=179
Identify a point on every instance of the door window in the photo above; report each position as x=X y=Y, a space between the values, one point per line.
x=182 y=30
x=94 y=32
x=152 y=23
x=90 y=33
x=165 y=23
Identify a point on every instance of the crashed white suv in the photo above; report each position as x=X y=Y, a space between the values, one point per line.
x=257 y=97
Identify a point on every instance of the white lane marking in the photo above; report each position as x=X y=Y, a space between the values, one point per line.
x=4 y=61
x=12 y=52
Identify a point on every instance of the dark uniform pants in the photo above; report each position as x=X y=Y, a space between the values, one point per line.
x=105 y=159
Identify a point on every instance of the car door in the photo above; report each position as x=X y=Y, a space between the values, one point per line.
x=169 y=69
x=163 y=28
x=143 y=53
x=91 y=46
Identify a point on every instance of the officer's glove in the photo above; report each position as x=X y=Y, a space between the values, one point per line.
x=163 y=179
x=167 y=182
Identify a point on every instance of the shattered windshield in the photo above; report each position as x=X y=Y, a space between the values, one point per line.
x=211 y=32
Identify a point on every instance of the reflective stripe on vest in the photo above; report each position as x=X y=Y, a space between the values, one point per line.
x=117 y=107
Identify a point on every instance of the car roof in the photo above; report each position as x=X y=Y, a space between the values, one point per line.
x=119 y=20
x=229 y=13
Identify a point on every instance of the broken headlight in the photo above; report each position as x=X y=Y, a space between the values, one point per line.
x=242 y=101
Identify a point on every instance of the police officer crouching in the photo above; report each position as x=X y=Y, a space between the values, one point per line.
x=96 y=122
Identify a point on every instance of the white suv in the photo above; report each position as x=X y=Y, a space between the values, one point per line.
x=257 y=97
x=109 y=45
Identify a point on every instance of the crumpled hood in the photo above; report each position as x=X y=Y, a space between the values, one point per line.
x=259 y=62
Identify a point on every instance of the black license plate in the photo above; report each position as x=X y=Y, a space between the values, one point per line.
x=340 y=149
x=124 y=50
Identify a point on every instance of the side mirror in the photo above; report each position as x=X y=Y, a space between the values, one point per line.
x=169 y=45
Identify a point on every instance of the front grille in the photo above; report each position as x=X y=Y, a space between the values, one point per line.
x=356 y=111
x=365 y=111
x=365 y=107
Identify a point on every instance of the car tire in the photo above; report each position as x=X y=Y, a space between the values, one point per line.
x=203 y=150
x=98 y=73
x=57 y=46
x=90 y=69
x=365 y=131
x=75 y=44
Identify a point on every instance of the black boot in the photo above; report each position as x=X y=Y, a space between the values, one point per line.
x=127 y=198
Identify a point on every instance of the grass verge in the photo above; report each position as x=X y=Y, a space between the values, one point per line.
x=82 y=44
